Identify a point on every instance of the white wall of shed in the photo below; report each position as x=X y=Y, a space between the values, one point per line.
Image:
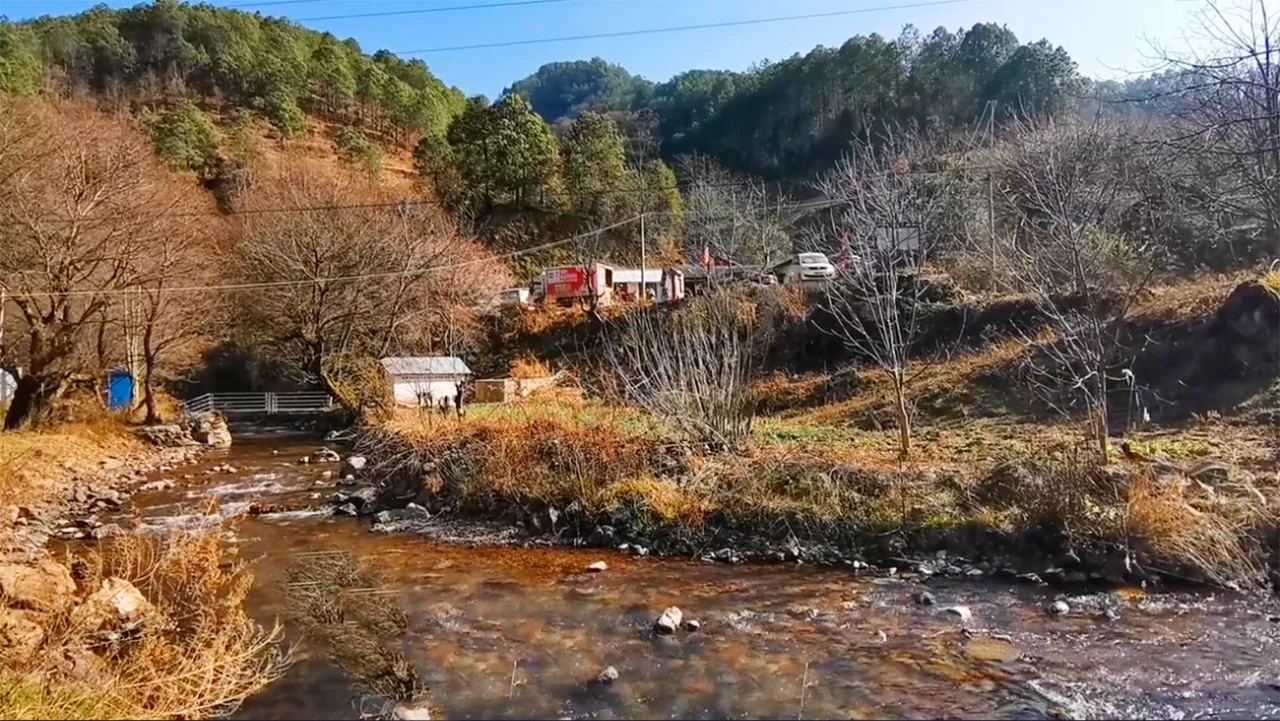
x=409 y=389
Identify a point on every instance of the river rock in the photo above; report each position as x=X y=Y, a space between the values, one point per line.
x=1059 y=608
x=669 y=621
x=116 y=605
x=19 y=634
x=409 y=512
x=106 y=531
x=45 y=587
x=924 y=598
x=325 y=454
x=112 y=464
x=163 y=484
x=598 y=566
x=346 y=509
x=411 y=711
x=361 y=497
x=166 y=436
x=961 y=612
x=210 y=429
x=304 y=460
x=608 y=676
x=603 y=537
x=353 y=465
x=692 y=624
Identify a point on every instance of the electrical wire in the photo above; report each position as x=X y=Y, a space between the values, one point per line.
x=133 y=292
x=236 y=6
x=680 y=28
x=424 y=11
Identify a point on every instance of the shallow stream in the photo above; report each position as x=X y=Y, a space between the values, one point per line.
x=523 y=632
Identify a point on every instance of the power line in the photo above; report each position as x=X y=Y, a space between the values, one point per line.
x=432 y=201
x=680 y=28
x=134 y=292
x=235 y=6
x=334 y=279
x=424 y=11
x=361 y=206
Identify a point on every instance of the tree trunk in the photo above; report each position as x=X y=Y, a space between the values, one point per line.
x=904 y=419
x=149 y=389
x=1101 y=419
x=33 y=399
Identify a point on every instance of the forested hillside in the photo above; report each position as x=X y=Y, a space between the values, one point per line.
x=228 y=57
x=577 y=147
x=793 y=117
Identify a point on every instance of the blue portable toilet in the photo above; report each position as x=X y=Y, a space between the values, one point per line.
x=119 y=389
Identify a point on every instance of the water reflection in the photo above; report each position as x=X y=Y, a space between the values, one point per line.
x=518 y=633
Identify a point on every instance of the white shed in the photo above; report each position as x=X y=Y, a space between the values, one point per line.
x=424 y=380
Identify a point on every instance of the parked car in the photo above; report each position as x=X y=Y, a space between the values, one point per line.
x=807 y=268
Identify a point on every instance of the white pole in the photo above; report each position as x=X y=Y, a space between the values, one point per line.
x=642 y=257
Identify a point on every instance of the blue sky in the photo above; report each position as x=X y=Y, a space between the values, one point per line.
x=1108 y=38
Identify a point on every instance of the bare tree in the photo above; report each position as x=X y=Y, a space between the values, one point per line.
x=883 y=220
x=82 y=197
x=176 y=310
x=1226 y=105
x=692 y=367
x=1064 y=188
x=730 y=215
x=340 y=285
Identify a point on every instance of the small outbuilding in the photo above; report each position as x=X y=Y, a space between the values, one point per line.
x=424 y=380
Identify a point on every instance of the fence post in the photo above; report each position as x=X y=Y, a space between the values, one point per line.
x=271 y=404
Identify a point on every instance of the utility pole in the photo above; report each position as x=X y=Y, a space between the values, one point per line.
x=642 y=257
x=991 y=185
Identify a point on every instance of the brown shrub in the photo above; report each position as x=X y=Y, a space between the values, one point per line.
x=197 y=653
x=527 y=366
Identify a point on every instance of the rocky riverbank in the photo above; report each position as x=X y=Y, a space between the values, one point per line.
x=94 y=479
x=403 y=491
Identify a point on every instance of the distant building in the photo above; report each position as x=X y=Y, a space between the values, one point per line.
x=424 y=380
x=661 y=285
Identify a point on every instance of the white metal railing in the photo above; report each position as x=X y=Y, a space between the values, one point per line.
x=260 y=403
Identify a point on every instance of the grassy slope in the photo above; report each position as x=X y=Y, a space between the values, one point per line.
x=821 y=464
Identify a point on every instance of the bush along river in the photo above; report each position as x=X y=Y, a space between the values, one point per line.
x=497 y=629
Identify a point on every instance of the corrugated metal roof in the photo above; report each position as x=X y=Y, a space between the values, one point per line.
x=440 y=365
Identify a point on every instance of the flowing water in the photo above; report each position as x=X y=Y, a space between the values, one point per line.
x=523 y=632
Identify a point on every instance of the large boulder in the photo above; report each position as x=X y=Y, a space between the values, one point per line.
x=46 y=586
x=166 y=436
x=1252 y=312
x=115 y=606
x=20 y=635
x=210 y=429
x=353 y=466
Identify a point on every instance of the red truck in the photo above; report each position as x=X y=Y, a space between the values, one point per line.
x=592 y=283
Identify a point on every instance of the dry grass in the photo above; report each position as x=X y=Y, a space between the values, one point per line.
x=1271 y=279
x=344 y=610
x=1172 y=525
x=942 y=386
x=808 y=477
x=196 y=654
x=37 y=466
x=527 y=366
